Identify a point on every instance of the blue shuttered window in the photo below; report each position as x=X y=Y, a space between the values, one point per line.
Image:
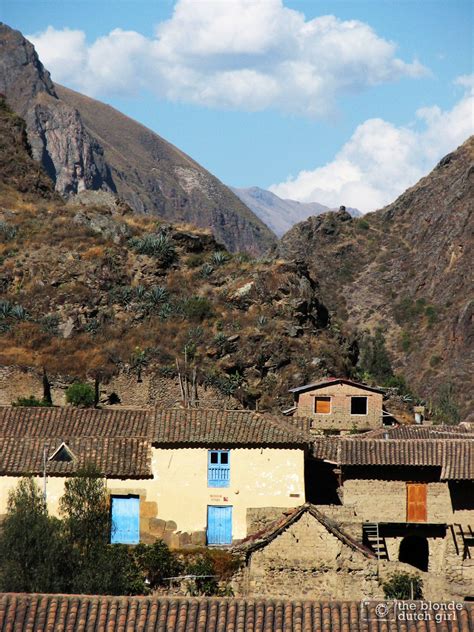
x=219 y=525
x=218 y=468
x=125 y=520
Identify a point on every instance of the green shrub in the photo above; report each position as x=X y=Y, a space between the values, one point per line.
x=197 y=308
x=30 y=401
x=446 y=409
x=431 y=314
x=406 y=341
x=363 y=224
x=435 y=361
x=50 y=324
x=403 y=586
x=7 y=232
x=374 y=359
x=157 y=563
x=81 y=395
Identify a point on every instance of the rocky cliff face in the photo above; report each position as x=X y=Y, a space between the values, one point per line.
x=84 y=144
x=408 y=270
x=57 y=136
x=90 y=289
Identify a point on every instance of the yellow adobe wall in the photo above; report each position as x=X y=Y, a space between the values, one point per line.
x=340 y=417
x=173 y=505
x=258 y=478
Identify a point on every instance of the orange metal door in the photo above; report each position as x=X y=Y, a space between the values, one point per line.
x=416 y=502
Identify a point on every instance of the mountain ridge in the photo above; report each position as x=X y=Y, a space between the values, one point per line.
x=68 y=139
x=405 y=269
x=278 y=213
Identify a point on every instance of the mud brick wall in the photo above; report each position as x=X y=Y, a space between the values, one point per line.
x=340 y=417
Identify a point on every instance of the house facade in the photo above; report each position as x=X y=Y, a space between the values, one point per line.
x=408 y=497
x=338 y=406
x=185 y=476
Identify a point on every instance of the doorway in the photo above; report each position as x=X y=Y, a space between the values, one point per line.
x=414 y=550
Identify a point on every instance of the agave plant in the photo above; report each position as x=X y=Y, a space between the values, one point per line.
x=206 y=271
x=19 y=312
x=158 y=246
x=5 y=308
x=157 y=294
x=219 y=258
x=140 y=292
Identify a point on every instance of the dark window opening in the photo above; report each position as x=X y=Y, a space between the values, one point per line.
x=414 y=550
x=224 y=458
x=321 y=483
x=214 y=457
x=358 y=405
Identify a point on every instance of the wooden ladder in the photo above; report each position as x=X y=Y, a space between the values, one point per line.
x=372 y=538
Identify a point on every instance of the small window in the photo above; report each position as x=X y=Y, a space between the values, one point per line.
x=218 y=468
x=358 y=405
x=63 y=454
x=322 y=405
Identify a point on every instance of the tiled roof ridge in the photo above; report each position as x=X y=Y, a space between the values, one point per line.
x=203 y=426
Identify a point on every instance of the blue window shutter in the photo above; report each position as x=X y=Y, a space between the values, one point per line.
x=219 y=525
x=125 y=520
x=218 y=468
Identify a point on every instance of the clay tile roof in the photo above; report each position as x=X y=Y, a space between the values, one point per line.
x=223 y=427
x=421 y=431
x=72 y=422
x=114 y=456
x=183 y=614
x=271 y=531
x=330 y=381
x=115 y=440
x=455 y=457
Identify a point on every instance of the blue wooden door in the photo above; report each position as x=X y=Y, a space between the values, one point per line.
x=125 y=520
x=219 y=525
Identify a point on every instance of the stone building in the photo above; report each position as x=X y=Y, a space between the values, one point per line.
x=411 y=496
x=338 y=406
x=187 y=476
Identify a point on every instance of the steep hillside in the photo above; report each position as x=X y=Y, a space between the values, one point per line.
x=91 y=289
x=85 y=144
x=407 y=269
x=279 y=214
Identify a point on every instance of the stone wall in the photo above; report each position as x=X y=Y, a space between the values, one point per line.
x=340 y=417
x=385 y=501
x=150 y=389
x=307 y=561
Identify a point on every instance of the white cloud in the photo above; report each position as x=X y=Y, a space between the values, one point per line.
x=243 y=54
x=381 y=160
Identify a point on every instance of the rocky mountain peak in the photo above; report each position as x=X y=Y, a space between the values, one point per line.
x=86 y=145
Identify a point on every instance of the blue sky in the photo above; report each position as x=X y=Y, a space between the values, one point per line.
x=350 y=109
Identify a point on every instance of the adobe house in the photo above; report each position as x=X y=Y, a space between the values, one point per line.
x=411 y=496
x=304 y=554
x=187 y=476
x=338 y=406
